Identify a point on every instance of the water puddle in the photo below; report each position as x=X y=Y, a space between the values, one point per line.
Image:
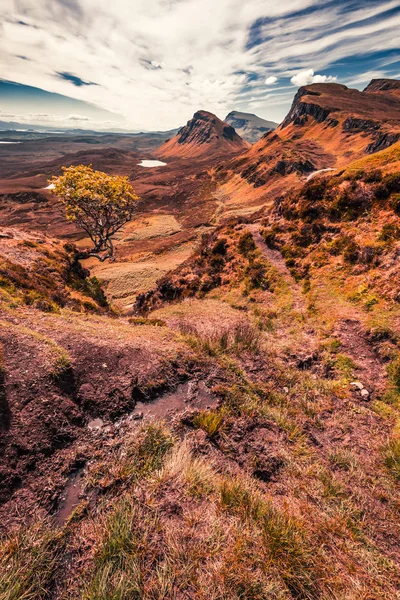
x=152 y=163
x=71 y=497
x=191 y=394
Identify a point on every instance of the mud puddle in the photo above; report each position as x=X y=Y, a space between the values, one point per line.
x=192 y=394
x=71 y=497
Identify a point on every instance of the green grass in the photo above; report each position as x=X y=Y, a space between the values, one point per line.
x=209 y=421
x=392 y=456
x=118 y=562
x=284 y=537
x=28 y=563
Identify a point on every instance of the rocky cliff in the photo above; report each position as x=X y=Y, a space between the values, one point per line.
x=204 y=135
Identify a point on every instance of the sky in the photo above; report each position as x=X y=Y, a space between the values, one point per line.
x=150 y=64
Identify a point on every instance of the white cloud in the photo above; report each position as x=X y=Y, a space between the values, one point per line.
x=307 y=77
x=157 y=61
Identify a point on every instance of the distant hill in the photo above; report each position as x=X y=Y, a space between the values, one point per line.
x=250 y=127
x=204 y=135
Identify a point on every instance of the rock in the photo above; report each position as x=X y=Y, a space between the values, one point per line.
x=365 y=393
x=285 y=390
x=383 y=140
x=138 y=416
x=357 y=384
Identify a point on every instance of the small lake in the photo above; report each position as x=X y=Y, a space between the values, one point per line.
x=151 y=163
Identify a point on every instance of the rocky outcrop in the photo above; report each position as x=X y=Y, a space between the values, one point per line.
x=354 y=125
x=24 y=198
x=204 y=134
x=384 y=140
x=286 y=167
x=302 y=108
x=383 y=85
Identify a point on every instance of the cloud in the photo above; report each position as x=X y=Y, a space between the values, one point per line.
x=77 y=118
x=74 y=79
x=307 y=77
x=156 y=62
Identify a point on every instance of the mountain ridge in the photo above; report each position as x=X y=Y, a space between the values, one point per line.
x=203 y=135
x=249 y=126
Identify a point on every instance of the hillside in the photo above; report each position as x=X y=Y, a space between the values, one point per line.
x=250 y=127
x=328 y=127
x=217 y=416
x=204 y=136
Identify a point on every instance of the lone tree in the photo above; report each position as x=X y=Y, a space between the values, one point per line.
x=98 y=203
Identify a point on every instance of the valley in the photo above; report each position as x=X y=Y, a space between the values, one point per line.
x=214 y=413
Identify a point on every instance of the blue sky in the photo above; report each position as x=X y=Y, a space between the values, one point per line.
x=150 y=64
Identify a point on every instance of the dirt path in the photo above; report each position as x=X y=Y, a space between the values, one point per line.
x=275 y=258
x=371 y=371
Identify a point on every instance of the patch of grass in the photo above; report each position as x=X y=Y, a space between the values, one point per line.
x=344 y=365
x=215 y=339
x=62 y=362
x=285 y=538
x=145 y=321
x=28 y=563
x=209 y=421
x=142 y=455
x=343 y=459
x=394 y=372
x=391 y=454
x=119 y=560
x=364 y=297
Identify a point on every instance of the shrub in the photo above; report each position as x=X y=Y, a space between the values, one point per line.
x=257 y=276
x=220 y=247
x=395 y=203
x=351 y=252
x=390 y=231
x=246 y=244
x=373 y=176
x=390 y=184
x=351 y=202
x=269 y=236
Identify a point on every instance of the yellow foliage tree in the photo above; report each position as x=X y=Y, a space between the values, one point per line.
x=98 y=203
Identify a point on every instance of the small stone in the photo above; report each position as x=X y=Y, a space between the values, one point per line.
x=365 y=393
x=137 y=416
x=357 y=384
x=286 y=390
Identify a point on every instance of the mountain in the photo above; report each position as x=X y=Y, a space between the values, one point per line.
x=328 y=126
x=250 y=127
x=203 y=136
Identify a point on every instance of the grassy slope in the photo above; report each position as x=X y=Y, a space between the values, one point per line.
x=286 y=490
